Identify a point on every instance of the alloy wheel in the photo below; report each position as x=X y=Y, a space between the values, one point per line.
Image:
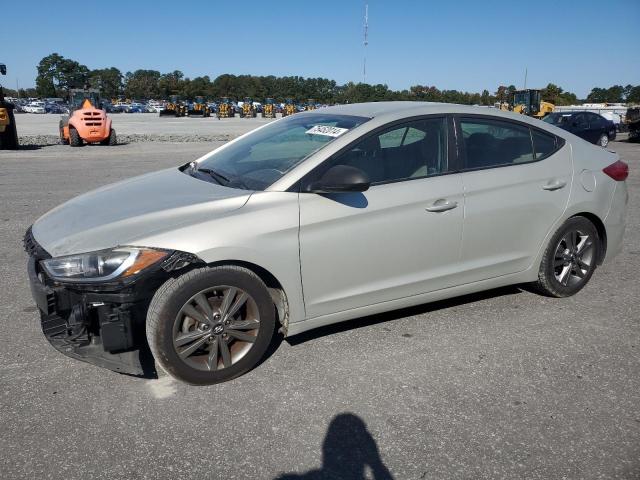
x=574 y=257
x=215 y=328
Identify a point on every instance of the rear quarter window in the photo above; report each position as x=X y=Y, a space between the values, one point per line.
x=544 y=144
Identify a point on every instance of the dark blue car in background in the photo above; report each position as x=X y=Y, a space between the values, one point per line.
x=592 y=127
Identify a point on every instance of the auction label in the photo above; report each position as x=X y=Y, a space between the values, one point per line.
x=326 y=131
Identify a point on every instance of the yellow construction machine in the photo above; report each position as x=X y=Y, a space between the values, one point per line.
x=248 y=110
x=199 y=108
x=269 y=109
x=289 y=107
x=311 y=104
x=8 y=131
x=529 y=102
x=174 y=108
x=225 y=109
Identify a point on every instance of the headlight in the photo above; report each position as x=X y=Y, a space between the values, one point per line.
x=121 y=262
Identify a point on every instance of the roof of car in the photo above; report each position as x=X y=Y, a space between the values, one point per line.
x=407 y=108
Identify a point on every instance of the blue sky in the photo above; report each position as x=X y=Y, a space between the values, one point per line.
x=463 y=44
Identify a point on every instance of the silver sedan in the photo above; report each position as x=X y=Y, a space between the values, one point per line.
x=319 y=218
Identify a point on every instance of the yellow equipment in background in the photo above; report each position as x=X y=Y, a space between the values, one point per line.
x=8 y=131
x=248 y=110
x=199 y=108
x=529 y=102
x=311 y=104
x=225 y=109
x=174 y=107
x=269 y=109
x=289 y=107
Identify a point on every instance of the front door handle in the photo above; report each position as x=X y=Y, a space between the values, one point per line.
x=556 y=185
x=441 y=205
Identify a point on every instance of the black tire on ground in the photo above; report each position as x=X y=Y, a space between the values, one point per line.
x=561 y=255
x=603 y=141
x=170 y=298
x=111 y=139
x=74 y=138
x=9 y=138
x=63 y=140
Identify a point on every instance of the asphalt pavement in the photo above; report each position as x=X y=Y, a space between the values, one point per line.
x=503 y=384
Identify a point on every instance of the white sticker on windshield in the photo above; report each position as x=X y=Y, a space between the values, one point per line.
x=326 y=131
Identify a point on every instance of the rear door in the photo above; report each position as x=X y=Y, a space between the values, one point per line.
x=582 y=128
x=516 y=184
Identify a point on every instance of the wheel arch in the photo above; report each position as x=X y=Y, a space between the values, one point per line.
x=602 y=232
x=276 y=290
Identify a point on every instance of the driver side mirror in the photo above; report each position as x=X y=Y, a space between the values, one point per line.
x=341 y=178
x=3 y=69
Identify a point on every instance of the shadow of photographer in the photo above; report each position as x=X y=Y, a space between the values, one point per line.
x=347 y=451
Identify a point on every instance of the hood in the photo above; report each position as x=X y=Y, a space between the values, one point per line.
x=126 y=212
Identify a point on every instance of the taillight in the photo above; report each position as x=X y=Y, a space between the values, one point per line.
x=619 y=171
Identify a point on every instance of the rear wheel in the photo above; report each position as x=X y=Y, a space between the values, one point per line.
x=603 y=141
x=74 y=138
x=111 y=139
x=211 y=325
x=570 y=258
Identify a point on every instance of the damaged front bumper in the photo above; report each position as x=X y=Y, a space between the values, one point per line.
x=100 y=324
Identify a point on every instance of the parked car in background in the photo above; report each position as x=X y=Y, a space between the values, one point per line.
x=56 y=108
x=155 y=106
x=317 y=218
x=136 y=108
x=35 y=107
x=590 y=126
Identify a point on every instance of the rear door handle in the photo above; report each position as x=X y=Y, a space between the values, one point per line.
x=441 y=205
x=557 y=185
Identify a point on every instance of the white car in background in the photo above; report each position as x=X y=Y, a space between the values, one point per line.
x=35 y=107
x=155 y=107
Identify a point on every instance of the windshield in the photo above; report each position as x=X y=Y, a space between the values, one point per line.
x=557 y=118
x=263 y=157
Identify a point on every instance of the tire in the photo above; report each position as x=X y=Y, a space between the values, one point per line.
x=63 y=141
x=568 y=263
x=603 y=141
x=111 y=139
x=170 y=330
x=74 y=138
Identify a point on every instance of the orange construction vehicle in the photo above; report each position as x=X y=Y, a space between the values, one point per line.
x=87 y=123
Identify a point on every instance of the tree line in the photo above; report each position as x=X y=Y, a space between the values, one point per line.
x=57 y=75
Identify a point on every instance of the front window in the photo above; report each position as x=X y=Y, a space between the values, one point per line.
x=406 y=151
x=265 y=156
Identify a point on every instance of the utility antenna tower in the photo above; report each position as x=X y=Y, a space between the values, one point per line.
x=366 y=42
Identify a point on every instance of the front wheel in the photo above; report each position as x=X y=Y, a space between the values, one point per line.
x=570 y=258
x=603 y=141
x=210 y=325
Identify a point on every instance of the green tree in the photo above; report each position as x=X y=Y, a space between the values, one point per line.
x=142 y=84
x=171 y=84
x=107 y=80
x=57 y=75
x=634 y=95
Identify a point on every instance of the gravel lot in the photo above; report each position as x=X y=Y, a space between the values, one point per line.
x=143 y=127
x=504 y=384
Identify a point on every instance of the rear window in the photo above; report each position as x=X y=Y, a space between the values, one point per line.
x=543 y=144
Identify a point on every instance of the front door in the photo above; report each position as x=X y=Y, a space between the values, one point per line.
x=400 y=238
